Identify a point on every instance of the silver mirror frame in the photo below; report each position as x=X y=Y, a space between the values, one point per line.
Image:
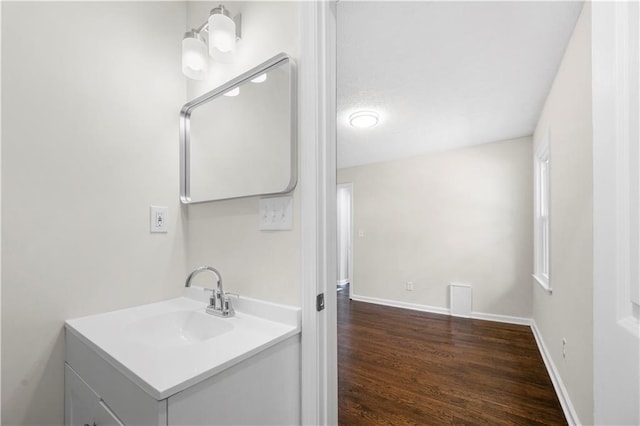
x=185 y=117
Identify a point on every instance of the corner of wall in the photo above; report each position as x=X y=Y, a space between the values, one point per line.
x=566 y=315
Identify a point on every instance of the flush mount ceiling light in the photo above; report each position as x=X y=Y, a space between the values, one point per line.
x=364 y=119
x=222 y=30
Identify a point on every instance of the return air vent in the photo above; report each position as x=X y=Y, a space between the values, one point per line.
x=460 y=296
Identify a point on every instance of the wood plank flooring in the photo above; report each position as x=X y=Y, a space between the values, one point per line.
x=398 y=366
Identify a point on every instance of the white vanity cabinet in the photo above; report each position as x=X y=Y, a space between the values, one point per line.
x=91 y=383
x=248 y=374
x=263 y=390
x=82 y=405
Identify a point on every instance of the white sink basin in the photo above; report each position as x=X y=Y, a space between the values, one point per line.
x=166 y=347
x=178 y=328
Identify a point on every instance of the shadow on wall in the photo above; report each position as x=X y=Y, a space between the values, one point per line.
x=222 y=209
x=508 y=294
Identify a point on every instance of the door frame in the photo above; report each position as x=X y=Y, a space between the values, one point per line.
x=317 y=136
x=616 y=236
x=349 y=188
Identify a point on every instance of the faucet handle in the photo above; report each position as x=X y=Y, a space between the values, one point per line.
x=227 y=307
x=228 y=293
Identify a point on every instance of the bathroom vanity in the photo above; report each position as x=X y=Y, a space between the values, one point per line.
x=170 y=363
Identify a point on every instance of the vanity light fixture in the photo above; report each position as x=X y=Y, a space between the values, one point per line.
x=222 y=35
x=259 y=79
x=233 y=92
x=194 y=56
x=222 y=32
x=364 y=119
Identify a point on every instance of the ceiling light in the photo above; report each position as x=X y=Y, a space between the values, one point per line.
x=195 y=61
x=220 y=42
x=363 y=119
x=259 y=79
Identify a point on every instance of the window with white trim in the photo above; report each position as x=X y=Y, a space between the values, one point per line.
x=541 y=217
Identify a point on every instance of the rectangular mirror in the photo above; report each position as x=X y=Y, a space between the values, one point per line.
x=239 y=140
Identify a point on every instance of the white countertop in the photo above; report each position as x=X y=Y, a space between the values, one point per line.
x=165 y=368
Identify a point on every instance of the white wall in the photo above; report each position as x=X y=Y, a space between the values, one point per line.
x=89 y=137
x=568 y=312
x=459 y=216
x=225 y=234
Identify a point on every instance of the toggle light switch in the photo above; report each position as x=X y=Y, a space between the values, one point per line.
x=276 y=214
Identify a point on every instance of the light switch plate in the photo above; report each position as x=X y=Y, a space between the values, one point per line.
x=276 y=214
x=158 y=219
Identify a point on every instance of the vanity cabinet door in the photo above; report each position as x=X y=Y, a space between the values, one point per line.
x=104 y=417
x=83 y=407
x=262 y=390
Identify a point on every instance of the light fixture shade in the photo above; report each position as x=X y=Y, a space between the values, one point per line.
x=195 y=61
x=364 y=119
x=260 y=79
x=233 y=92
x=222 y=35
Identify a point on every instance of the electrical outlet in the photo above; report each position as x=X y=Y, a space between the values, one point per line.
x=409 y=285
x=158 y=219
x=564 y=348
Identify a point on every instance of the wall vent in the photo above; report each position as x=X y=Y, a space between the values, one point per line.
x=460 y=297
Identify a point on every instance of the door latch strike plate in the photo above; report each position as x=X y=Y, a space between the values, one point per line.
x=320 y=302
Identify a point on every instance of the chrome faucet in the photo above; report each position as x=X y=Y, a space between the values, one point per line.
x=219 y=302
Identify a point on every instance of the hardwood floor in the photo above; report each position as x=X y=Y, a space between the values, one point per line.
x=398 y=366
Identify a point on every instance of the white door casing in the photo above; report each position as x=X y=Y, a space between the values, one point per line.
x=345 y=233
x=317 y=138
x=616 y=98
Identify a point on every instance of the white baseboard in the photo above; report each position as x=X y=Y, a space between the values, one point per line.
x=501 y=318
x=397 y=304
x=443 y=311
x=558 y=385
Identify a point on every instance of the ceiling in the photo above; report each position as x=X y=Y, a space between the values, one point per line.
x=444 y=75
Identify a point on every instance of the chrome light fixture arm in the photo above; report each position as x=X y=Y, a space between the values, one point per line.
x=237 y=19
